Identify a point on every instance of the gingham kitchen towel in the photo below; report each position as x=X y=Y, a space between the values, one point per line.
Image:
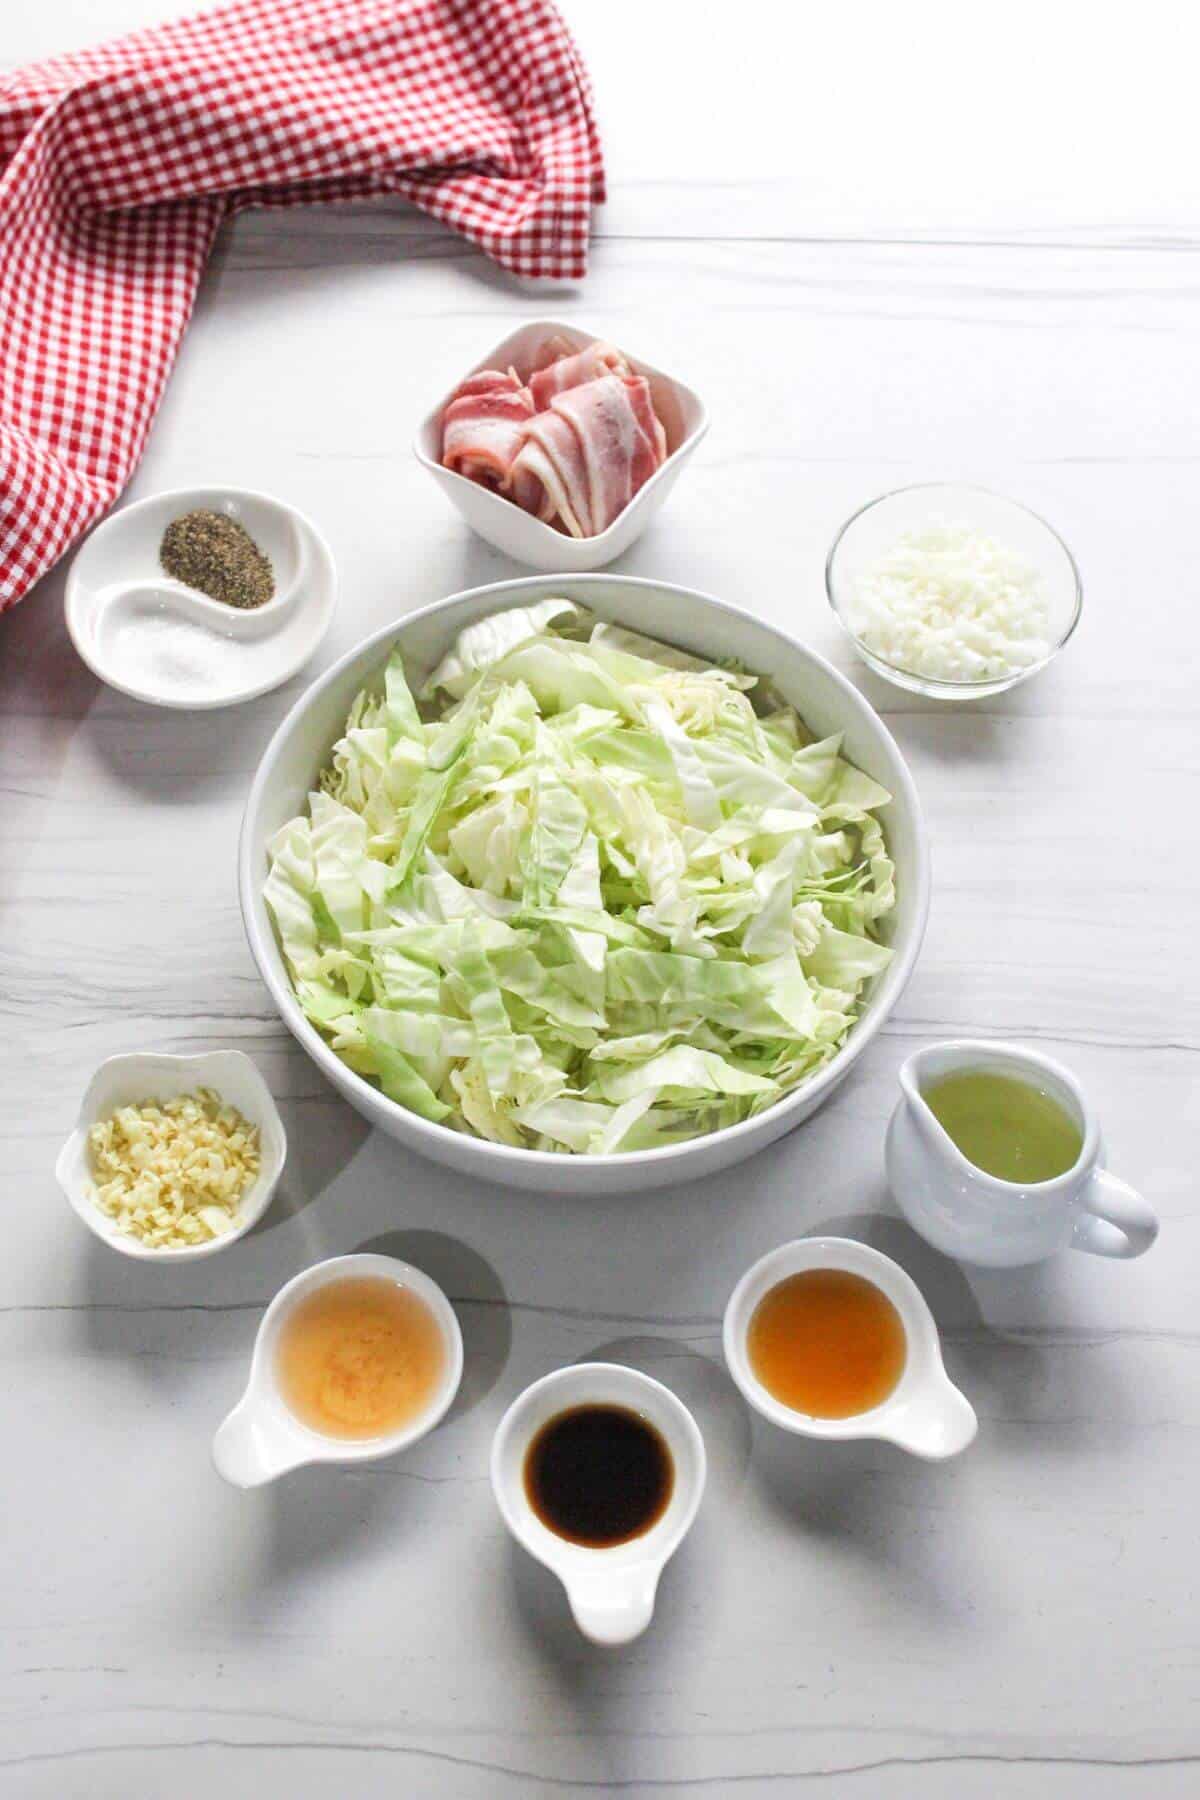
x=117 y=165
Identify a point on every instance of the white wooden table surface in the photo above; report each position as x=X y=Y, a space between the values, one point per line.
x=887 y=245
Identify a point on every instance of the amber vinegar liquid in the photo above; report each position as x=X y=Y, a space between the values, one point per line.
x=359 y=1358
x=827 y=1343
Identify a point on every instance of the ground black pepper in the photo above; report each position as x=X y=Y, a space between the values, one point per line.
x=212 y=552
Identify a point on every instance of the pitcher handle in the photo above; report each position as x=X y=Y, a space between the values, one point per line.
x=1115 y=1220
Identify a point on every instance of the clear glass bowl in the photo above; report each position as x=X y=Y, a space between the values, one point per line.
x=872 y=531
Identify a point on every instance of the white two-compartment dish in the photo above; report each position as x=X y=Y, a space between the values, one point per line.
x=163 y=642
x=721 y=634
x=518 y=533
x=149 y=1075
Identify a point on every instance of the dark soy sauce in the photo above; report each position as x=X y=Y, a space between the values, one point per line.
x=598 y=1475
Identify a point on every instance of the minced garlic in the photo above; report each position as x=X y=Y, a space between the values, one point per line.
x=173 y=1173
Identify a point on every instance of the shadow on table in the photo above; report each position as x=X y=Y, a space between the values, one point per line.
x=895 y=1525
x=45 y=685
x=944 y=731
x=172 y=757
x=324 y=1135
x=326 y=1517
x=376 y=231
x=1008 y=1342
x=1045 y=1386
x=166 y=1322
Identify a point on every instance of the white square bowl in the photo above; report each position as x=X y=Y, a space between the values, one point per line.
x=518 y=533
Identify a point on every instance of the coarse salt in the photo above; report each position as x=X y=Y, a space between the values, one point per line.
x=173 y=656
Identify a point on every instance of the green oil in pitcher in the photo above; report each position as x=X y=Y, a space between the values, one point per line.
x=1006 y=1127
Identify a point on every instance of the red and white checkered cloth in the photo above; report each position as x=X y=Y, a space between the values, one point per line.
x=117 y=166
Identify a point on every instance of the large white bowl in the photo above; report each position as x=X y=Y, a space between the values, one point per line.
x=696 y=622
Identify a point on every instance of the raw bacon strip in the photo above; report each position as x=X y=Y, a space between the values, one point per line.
x=548 y=478
x=551 y=350
x=572 y=370
x=483 y=425
x=528 y=484
x=642 y=402
x=588 y=454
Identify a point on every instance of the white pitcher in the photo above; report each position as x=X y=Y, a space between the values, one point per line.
x=262 y=1438
x=925 y=1413
x=980 y=1219
x=611 y=1590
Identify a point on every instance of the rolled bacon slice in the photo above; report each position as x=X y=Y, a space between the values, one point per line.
x=585 y=457
x=484 y=424
x=572 y=370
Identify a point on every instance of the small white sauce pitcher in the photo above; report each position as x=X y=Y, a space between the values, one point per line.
x=262 y=1438
x=997 y=1224
x=924 y=1413
x=611 y=1590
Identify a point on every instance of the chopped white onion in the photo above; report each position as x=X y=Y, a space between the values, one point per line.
x=952 y=604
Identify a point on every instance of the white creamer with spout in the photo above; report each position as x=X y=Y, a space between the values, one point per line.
x=610 y=1590
x=980 y=1219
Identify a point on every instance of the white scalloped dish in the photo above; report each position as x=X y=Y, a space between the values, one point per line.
x=132 y=1079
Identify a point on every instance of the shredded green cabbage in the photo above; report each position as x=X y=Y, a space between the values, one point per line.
x=595 y=903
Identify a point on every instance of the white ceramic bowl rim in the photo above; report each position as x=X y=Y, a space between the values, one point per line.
x=950 y=683
x=894 y=978
x=601 y=538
